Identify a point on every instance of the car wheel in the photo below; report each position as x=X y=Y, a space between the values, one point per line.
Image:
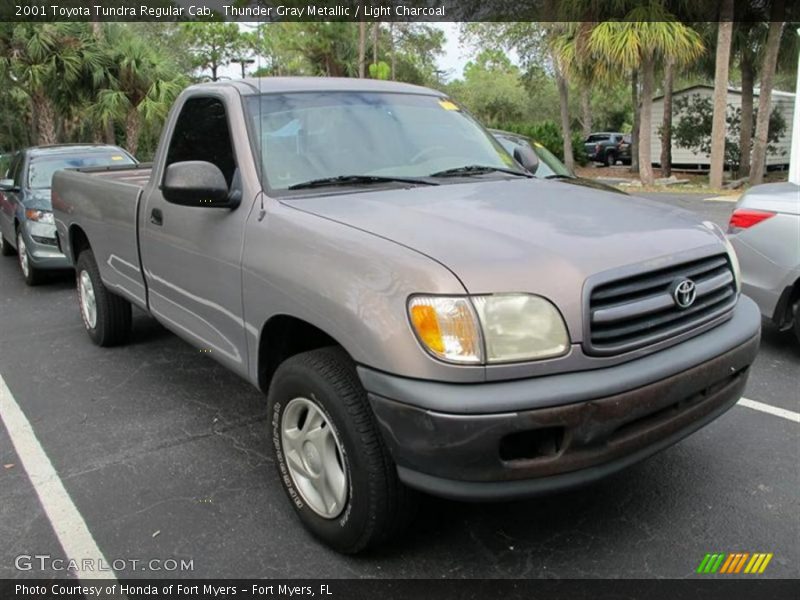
x=32 y=275
x=611 y=159
x=330 y=456
x=106 y=316
x=6 y=249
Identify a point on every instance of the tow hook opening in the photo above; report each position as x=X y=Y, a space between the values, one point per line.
x=532 y=444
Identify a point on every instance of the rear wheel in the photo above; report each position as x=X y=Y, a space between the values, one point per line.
x=330 y=456
x=106 y=316
x=611 y=159
x=32 y=275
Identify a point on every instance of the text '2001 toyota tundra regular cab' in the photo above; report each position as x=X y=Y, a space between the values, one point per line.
x=421 y=313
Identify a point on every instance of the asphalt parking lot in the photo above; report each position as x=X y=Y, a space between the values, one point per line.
x=165 y=456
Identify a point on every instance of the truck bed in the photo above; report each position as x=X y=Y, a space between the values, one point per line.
x=103 y=203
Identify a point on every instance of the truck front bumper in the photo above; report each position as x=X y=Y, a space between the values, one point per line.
x=574 y=430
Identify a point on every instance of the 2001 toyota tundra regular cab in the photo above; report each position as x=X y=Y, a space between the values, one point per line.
x=421 y=313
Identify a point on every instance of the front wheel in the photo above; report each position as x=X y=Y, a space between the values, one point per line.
x=330 y=457
x=32 y=275
x=106 y=316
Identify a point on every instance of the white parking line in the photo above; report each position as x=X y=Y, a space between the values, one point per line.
x=67 y=522
x=773 y=410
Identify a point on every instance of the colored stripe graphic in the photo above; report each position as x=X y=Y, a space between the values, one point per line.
x=723 y=563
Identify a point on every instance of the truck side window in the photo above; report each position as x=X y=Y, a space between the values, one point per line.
x=202 y=133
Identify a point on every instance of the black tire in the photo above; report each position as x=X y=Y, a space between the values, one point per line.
x=113 y=313
x=30 y=274
x=378 y=505
x=6 y=249
x=611 y=159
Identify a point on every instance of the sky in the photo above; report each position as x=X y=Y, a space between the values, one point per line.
x=452 y=60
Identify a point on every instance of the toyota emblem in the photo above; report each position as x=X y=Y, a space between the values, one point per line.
x=684 y=293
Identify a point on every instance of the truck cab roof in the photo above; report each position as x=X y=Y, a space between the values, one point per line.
x=278 y=85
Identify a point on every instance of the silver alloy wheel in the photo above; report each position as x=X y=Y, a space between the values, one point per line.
x=88 y=302
x=314 y=457
x=22 y=251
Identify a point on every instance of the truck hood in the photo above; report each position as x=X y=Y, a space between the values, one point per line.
x=522 y=235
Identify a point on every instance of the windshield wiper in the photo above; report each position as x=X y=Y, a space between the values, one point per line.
x=468 y=170
x=357 y=180
x=559 y=176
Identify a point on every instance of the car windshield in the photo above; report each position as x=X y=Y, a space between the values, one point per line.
x=309 y=136
x=42 y=168
x=549 y=165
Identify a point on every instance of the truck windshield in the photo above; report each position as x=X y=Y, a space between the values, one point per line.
x=311 y=136
x=42 y=168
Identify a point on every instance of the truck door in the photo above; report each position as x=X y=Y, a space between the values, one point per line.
x=191 y=254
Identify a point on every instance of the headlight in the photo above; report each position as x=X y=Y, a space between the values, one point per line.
x=489 y=329
x=737 y=272
x=520 y=327
x=41 y=216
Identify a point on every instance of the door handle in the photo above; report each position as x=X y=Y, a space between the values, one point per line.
x=156 y=218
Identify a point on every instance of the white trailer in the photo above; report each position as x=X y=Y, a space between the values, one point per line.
x=689 y=159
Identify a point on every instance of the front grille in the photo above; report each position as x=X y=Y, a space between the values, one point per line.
x=640 y=310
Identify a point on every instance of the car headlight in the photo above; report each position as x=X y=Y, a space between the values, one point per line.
x=489 y=329
x=737 y=272
x=40 y=216
x=723 y=237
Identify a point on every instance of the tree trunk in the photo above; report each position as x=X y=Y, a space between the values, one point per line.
x=636 y=121
x=391 y=47
x=133 y=126
x=666 y=123
x=46 y=120
x=645 y=121
x=109 y=133
x=765 y=95
x=214 y=68
x=586 y=111
x=746 y=133
x=362 y=49
x=376 y=27
x=566 y=133
x=725 y=31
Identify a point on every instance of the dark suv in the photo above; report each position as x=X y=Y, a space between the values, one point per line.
x=607 y=148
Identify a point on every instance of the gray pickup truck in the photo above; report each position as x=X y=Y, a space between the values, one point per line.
x=421 y=313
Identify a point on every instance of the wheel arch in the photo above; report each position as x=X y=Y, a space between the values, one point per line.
x=284 y=336
x=78 y=242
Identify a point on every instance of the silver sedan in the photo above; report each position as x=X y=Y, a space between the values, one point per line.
x=765 y=231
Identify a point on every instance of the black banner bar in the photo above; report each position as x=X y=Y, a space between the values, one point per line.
x=732 y=588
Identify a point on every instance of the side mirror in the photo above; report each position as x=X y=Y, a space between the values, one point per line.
x=7 y=185
x=525 y=156
x=197 y=183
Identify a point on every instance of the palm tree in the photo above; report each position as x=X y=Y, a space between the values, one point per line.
x=765 y=93
x=648 y=34
x=45 y=61
x=143 y=84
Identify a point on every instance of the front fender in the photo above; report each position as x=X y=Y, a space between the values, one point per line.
x=351 y=284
